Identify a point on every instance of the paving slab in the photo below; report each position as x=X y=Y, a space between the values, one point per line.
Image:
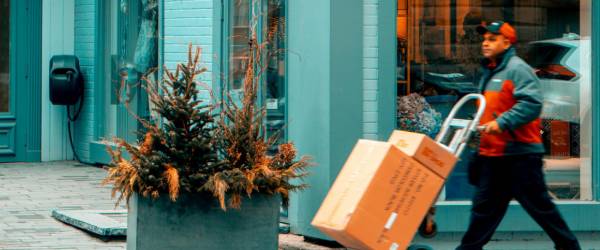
x=104 y=223
x=30 y=191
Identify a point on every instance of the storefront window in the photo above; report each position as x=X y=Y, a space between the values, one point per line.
x=4 y=55
x=275 y=91
x=266 y=17
x=438 y=63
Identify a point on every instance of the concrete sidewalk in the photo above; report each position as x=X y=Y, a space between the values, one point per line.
x=29 y=191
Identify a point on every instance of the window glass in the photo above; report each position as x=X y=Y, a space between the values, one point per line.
x=4 y=55
x=439 y=62
x=267 y=17
x=239 y=41
x=111 y=77
x=130 y=50
x=275 y=92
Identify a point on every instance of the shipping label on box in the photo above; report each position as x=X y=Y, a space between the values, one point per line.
x=425 y=150
x=379 y=198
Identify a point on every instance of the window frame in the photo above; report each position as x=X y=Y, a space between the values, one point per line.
x=222 y=13
x=452 y=216
x=221 y=27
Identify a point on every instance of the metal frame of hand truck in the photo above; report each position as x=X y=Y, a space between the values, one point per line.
x=463 y=130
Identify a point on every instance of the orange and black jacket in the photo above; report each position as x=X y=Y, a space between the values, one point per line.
x=514 y=99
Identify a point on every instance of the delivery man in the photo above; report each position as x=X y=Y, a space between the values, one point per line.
x=509 y=164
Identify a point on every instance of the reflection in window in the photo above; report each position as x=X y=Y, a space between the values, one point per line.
x=239 y=41
x=4 y=55
x=245 y=16
x=130 y=50
x=275 y=74
x=145 y=53
x=438 y=62
x=111 y=77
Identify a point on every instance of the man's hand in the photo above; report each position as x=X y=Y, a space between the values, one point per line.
x=492 y=128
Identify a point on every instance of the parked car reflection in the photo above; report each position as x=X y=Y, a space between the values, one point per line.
x=560 y=66
x=557 y=64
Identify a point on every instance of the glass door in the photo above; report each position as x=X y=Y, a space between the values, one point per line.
x=129 y=49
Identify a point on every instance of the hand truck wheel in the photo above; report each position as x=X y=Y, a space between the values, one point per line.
x=428 y=229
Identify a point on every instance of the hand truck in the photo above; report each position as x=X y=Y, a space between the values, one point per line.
x=463 y=129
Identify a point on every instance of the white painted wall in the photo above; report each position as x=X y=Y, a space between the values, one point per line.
x=57 y=38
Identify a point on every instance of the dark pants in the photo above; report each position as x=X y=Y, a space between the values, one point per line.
x=498 y=181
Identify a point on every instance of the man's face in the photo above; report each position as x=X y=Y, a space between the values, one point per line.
x=493 y=45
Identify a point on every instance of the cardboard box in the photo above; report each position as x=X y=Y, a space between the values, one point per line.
x=379 y=198
x=425 y=150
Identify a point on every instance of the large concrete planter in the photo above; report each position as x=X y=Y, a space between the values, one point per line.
x=197 y=222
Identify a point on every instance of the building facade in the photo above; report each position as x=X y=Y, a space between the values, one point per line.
x=339 y=70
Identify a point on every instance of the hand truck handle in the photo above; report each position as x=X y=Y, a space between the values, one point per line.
x=470 y=128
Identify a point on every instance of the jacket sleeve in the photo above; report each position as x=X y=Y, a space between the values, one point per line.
x=528 y=94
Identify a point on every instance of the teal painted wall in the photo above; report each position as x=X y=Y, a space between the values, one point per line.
x=325 y=111
x=308 y=77
x=85 y=37
x=27 y=78
x=34 y=52
x=346 y=120
x=386 y=66
x=370 y=70
x=188 y=22
x=379 y=81
x=58 y=28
